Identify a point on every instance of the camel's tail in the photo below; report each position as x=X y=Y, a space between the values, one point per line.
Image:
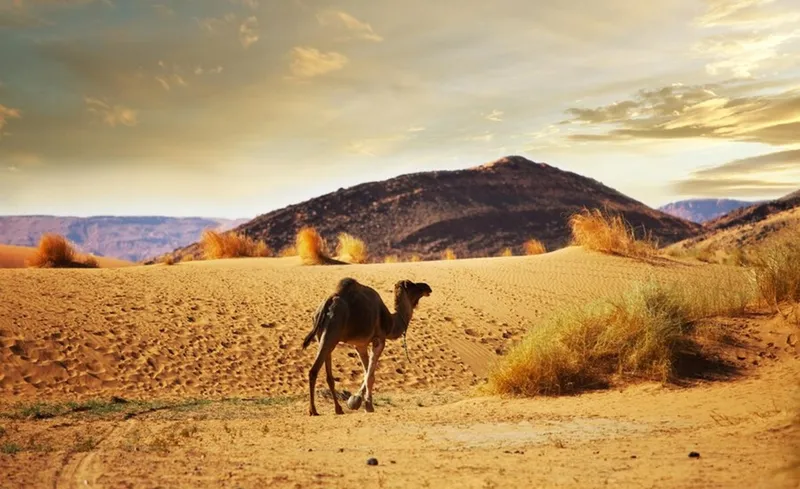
x=323 y=314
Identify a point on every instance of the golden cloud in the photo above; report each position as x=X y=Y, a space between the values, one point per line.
x=777 y=172
x=310 y=62
x=248 y=32
x=111 y=115
x=355 y=28
x=7 y=113
x=679 y=111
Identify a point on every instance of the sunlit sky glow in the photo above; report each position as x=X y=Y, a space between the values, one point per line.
x=232 y=108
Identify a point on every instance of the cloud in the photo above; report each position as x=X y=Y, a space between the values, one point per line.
x=700 y=111
x=743 y=13
x=742 y=53
x=7 y=113
x=214 y=25
x=310 y=62
x=163 y=10
x=248 y=31
x=17 y=18
x=111 y=115
x=355 y=29
x=777 y=172
x=495 y=116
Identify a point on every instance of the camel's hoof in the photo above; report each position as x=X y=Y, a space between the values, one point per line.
x=313 y=412
x=368 y=407
x=354 y=402
x=339 y=410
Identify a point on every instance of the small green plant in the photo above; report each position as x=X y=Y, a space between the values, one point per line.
x=10 y=448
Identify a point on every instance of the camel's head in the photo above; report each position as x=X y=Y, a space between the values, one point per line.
x=413 y=290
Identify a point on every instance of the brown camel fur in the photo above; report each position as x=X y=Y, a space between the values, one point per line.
x=355 y=314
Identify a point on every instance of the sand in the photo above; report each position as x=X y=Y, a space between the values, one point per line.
x=229 y=332
x=15 y=257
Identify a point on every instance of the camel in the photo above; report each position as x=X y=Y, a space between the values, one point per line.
x=356 y=315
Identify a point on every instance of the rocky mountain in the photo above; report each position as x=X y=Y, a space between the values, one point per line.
x=702 y=210
x=128 y=238
x=476 y=212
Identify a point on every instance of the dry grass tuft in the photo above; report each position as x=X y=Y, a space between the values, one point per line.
x=639 y=334
x=391 y=259
x=351 y=249
x=534 y=247
x=54 y=251
x=776 y=264
x=290 y=250
x=231 y=245
x=415 y=258
x=507 y=252
x=311 y=247
x=169 y=260
x=608 y=233
x=449 y=254
x=187 y=258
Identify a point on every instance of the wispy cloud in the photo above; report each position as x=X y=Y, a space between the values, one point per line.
x=7 y=113
x=679 y=111
x=740 y=54
x=111 y=115
x=248 y=31
x=777 y=172
x=310 y=62
x=495 y=116
x=353 y=28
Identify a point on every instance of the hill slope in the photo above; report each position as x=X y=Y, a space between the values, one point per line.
x=476 y=212
x=745 y=227
x=702 y=210
x=128 y=238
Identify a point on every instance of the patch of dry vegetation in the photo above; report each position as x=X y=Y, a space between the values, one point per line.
x=776 y=264
x=351 y=249
x=311 y=247
x=391 y=259
x=608 y=233
x=54 y=251
x=534 y=247
x=231 y=245
x=288 y=251
x=415 y=258
x=506 y=252
x=449 y=254
x=639 y=334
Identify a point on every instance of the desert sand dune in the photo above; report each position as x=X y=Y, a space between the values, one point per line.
x=234 y=327
x=229 y=332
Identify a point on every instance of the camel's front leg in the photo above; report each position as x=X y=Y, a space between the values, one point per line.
x=377 y=349
x=354 y=402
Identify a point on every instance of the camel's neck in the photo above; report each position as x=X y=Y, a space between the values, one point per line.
x=401 y=317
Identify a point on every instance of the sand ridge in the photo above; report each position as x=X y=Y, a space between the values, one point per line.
x=234 y=327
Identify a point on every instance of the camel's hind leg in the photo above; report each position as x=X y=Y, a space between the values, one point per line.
x=331 y=384
x=327 y=343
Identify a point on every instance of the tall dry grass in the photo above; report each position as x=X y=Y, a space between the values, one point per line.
x=608 y=233
x=449 y=254
x=638 y=334
x=506 y=252
x=391 y=259
x=415 y=258
x=311 y=247
x=776 y=264
x=54 y=251
x=231 y=245
x=351 y=249
x=534 y=247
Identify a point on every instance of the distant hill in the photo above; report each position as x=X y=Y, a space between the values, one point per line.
x=476 y=212
x=755 y=212
x=745 y=226
x=702 y=210
x=126 y=238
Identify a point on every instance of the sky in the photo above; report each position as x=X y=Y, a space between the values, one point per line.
x=233 y=108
